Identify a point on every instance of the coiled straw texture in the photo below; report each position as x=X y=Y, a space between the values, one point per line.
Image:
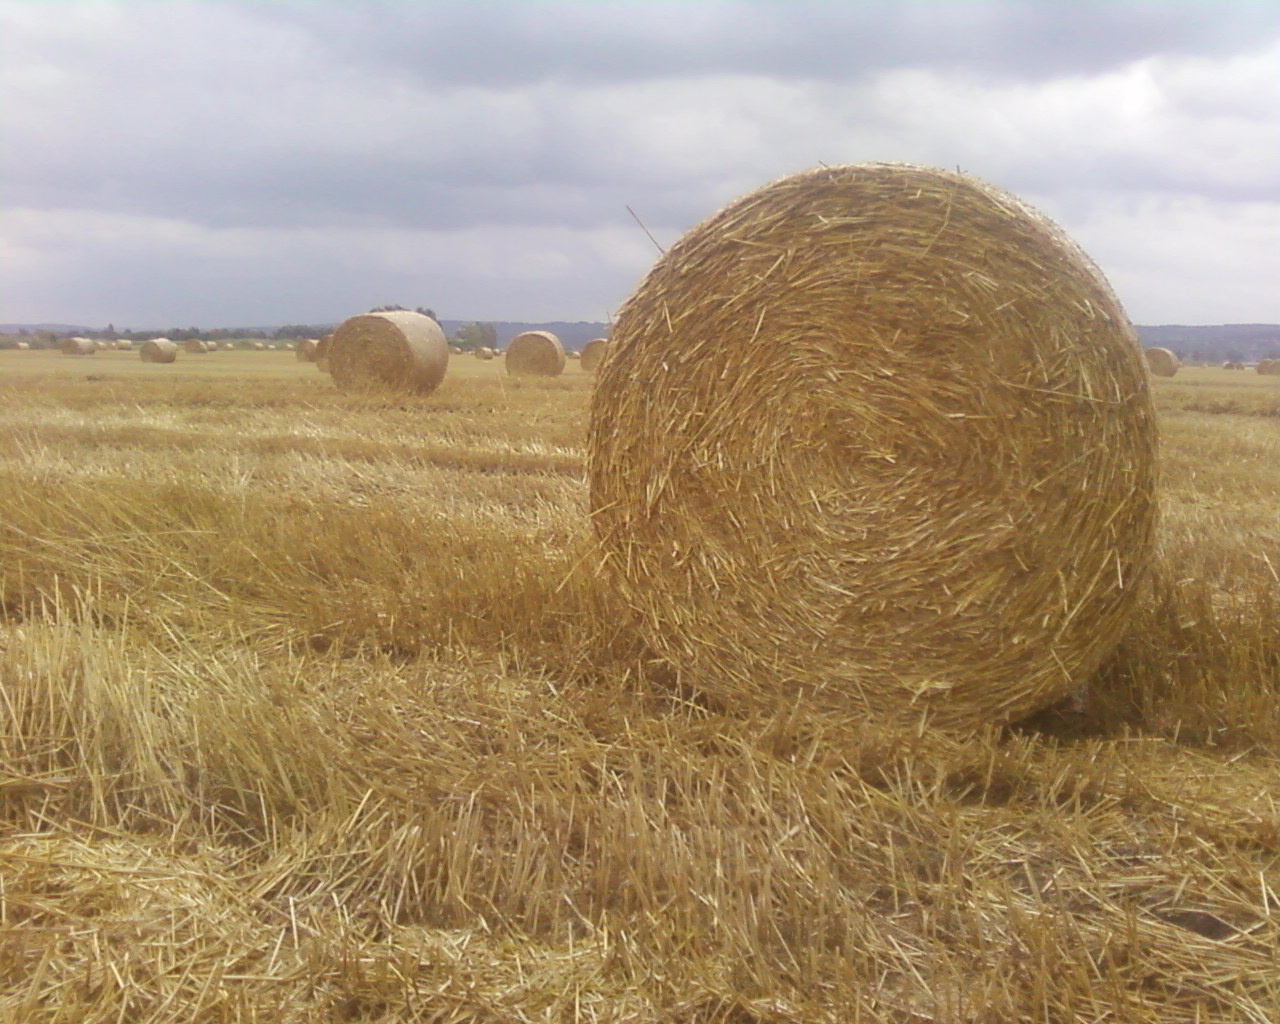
x=1162 y=362
x=535 y=354
x=393 y=351
x=876 y=439
x=593 y=352
x=158 y=350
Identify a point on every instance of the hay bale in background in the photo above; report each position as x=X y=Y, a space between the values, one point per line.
x=879 y=440
x=401 y=350
x=573 y=354
x=78 y=347
x=158 y=350
x=592 y=352
x=23 y=346
x=455 y=350
x=322 y=353
x=1161 y=362
x=194 y=346
x=484 y=353
x=306 y=350
x=228 y=346
x=535 y=354
x=123 y=345
x=1269 y=367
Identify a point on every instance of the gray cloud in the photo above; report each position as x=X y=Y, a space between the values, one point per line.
x=293 y=157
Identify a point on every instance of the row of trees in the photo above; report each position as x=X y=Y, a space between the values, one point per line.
x=469 y=336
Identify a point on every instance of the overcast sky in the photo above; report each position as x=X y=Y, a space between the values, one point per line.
x=237 y=163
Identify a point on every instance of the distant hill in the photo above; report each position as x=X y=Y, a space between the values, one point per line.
x=1196 y=342
x=571 y=335
x=1241 y=343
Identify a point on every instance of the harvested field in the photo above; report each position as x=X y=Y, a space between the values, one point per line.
x=318 y=707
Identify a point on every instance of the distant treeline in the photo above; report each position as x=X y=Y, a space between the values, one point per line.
x=1242 y=343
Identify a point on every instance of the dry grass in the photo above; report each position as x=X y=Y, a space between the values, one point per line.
x=330 y=718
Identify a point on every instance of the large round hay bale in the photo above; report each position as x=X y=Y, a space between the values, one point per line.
x=78 y=347
x=1162 y=363
x=306 y=350
x=592 y=352
x=123 y=345
x=194 y=346
x=1270 y=367
x=400 y=350
x=876 y=439
x=322 y=353
x=535 y=354
x=484 y=353
x=158 y=350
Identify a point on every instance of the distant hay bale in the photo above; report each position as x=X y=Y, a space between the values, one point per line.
x=194 y=346
x=259 y=346
x=573 y=355
x=322 y=353
x=306 y=350
x=592 y=352
x=876 y=440
x=123 y=345
x=23 y=346
x=400 y=350
x=484 y=353
x=158 y=350
x=228 y=346
x=1162 y=363
x=1269 y=367
x=535 y=354
x=455 y=350
x=78 y=347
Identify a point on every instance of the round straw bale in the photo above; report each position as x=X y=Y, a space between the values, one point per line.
x=400 y=350
x=535 y=354
x=306 y=350
x=1270 y=367
x=322 y=353
x=23 y=346
x=194 y=346
x=78 y=347
x=876 y=439
x=1161 y=362
x=455 y=350
x=158 y=350
x=573 y=354
x=484 y=353
x=228 y=346
x=592 y=352
x=123 y=345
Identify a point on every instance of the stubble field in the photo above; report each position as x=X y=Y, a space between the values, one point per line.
x=315 y=707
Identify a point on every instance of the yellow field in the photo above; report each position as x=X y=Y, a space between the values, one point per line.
x=315 y=707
